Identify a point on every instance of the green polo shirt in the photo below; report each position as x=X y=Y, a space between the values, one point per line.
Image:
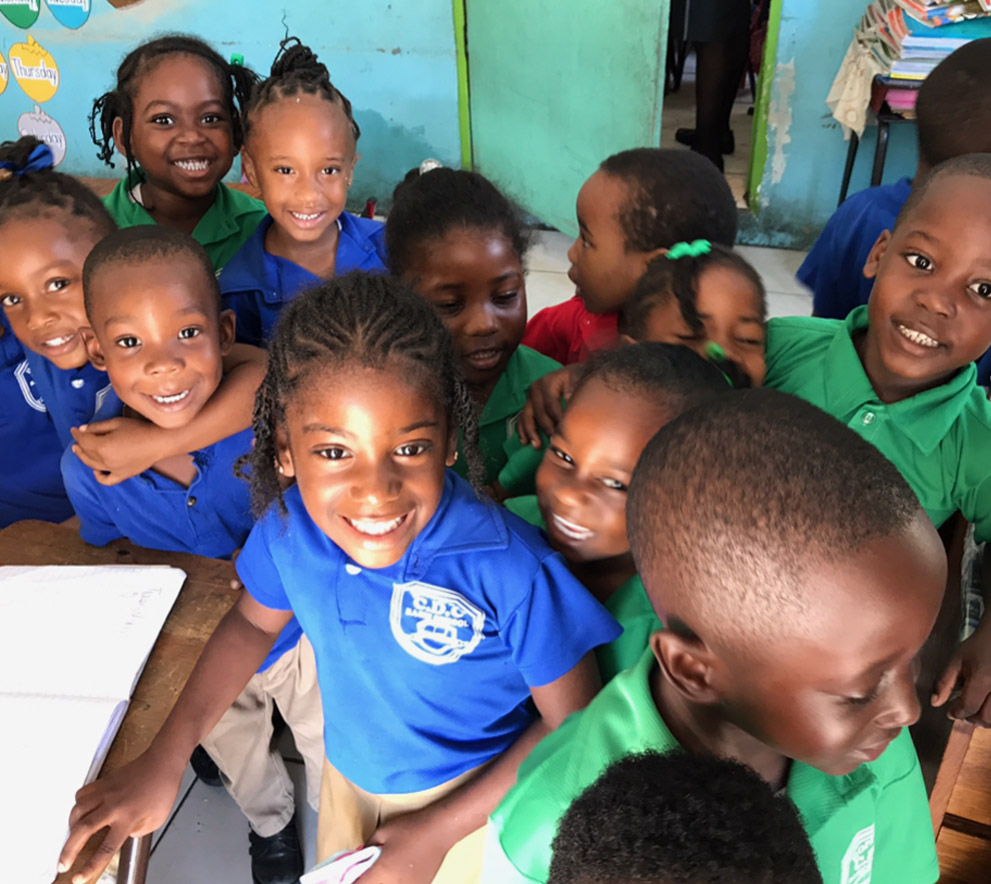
x=940 y=439
x=869 y=827
x=231 y=219
x=628 y=604
x=498 y=441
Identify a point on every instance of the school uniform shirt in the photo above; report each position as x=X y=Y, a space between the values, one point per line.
x=425 y=666
x=569 y=333
x=212 y=517
x=73 y=396
x=231 y=219
x=498 y=441
x=871 y=826
x=30 y=478
x=939 y=439
x=256 y=285
x=628 y=604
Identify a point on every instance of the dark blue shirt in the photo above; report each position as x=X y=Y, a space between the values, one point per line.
x=30 y=449
x=256 y=285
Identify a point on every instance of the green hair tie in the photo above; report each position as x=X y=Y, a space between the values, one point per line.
x=689 y=249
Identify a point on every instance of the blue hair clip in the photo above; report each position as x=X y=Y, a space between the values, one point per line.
x=41 y=158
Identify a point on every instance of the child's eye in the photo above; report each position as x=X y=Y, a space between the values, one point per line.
x=981 y=289
x=283 y=170
x=614 y=484
x=190 y=332
x=586 y=243
x=211 y=119
x=333 y=452
x=10 y=300
x=751 y=342
x=690 y=339
x=506 y=298
x=562 y=456
x=56 y=285
x=162 y=120
x=866 y=700
x=919 y=262
x=331 y=170
x=127 y=342
x=412 y=449
x=448 y=308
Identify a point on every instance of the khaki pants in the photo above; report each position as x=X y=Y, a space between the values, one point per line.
x=241 y=743
x=349 y=816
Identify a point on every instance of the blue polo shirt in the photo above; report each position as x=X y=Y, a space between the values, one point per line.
x=73 y=396
x=256 y=285
x=425 y=667
x=212 y=517
x=30 y=478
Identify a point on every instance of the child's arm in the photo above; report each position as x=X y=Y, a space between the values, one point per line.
x=137 y=798
x=543 y=407
x=415 y=844
x=120 y=448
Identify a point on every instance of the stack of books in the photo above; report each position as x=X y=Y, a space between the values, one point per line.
x=934 y=13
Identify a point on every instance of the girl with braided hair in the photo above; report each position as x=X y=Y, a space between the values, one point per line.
x=300 y=152
x=448 y=637
x=174 y=114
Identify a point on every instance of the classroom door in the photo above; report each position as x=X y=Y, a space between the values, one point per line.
x=556 y=86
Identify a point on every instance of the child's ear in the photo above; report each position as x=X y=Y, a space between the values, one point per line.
x=248 y=167
x=283 y=454
x=876 y=253
x=118 y=131
x=228 y=324
x=452 y=449
x=687 y=664
x=93 y=348
x=350 y=172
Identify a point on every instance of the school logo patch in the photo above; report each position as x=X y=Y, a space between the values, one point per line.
x=24 y=380
x=859 y=858
x=433 y=624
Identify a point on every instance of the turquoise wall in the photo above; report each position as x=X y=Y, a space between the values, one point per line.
x=394 y=60
x=806 y=151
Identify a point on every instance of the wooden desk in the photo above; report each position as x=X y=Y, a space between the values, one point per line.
x=205 y=598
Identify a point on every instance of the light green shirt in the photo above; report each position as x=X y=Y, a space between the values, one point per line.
x=628 y=604
x=940 y=439
x=869 y=827
x=231 y=219
x=498 y=441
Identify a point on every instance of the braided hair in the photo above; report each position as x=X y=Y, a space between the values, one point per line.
x=295 y=70
x=678 y=278
x=361 y=319
x=236 y=82
x=30 y=194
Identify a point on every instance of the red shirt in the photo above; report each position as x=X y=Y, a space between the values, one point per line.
x=569 y=333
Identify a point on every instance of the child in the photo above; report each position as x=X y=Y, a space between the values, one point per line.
x=795 y=611
x=898 y=371
x=637 y=205
x=678 y=818
x=460 y=243
x=174 y=116
x=300 y=152
x=49 y=222
x=622 y=398
x=704 y=296
x=447 y=635
x=159 y=333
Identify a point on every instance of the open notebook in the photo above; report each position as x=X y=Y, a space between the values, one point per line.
x=74 y=641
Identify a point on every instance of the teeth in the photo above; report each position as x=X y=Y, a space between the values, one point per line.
x=570 y=529
x=169 y=400
x=917 y=337
x=193 y=165
x=58 y=342
x=374 y=527
x=303 y=217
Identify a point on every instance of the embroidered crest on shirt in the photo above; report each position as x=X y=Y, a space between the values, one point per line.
x=859 y=858
x=433 y=624
x=24 y=380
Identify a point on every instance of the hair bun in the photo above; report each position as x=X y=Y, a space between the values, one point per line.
x=296 y=58
x=24 y=156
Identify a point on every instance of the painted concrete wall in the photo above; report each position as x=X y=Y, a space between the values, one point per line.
x=806 y=151
x=394 y=60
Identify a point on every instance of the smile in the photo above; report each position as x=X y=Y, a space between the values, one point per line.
x=60 y=341
x=375 y=527
x=171 y=400
x=917 y=337
x=485 y=357
x=570 y=529
x=304 y=216
x=197 y=165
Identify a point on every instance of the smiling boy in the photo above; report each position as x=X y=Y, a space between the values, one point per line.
x=899 y=371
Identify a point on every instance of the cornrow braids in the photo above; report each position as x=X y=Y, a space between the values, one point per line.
x=360 y=319
x=236 y=83
x=32 y=193
x=296 y=69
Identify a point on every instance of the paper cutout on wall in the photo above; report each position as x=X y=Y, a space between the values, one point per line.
x=44 y=128
x=117 y=4
x=71 y=13
x=21 y=13
x=3 y=74
x=34 y=69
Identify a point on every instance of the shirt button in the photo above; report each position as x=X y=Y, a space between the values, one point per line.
x=869 y=418
x=190 y=501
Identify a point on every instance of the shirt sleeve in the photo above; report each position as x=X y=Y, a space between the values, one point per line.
x=256 y=565
x=518 y=474
x=557 y=623
x=548 y=332
x=95 y=524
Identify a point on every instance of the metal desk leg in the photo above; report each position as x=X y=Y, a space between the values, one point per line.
x=880 y=152
x=134 y=860
x=851 y=155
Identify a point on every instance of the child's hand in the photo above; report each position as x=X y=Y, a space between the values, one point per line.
x=971 y=664
x=118 y=449
x=543 y=404
x=132 y=801
x=413 y=847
